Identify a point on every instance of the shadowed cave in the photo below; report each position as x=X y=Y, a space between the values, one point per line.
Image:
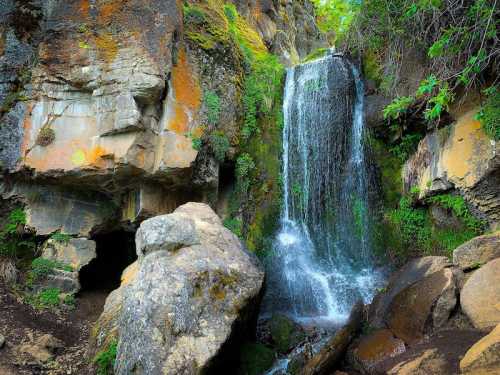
x=115 y=251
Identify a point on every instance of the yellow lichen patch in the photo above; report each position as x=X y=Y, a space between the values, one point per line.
x=130 y=273
x=198 y=132
x=466 y=151
x=78 y=158
x=179 y=123
x=250 y=37
x=107 y=47
x=187 y=90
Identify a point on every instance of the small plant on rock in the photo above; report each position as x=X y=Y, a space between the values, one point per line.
x=105 y=359
x=45 y=136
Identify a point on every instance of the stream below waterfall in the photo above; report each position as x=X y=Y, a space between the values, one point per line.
x=322 y=261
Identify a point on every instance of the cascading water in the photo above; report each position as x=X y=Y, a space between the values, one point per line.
x=321 y=262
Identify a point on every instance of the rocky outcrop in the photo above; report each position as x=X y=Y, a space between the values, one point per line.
x=480 y=296
x=413 y=271
x=179 y=307
x=74 y=252
x=426 y=304
x=429 y=362
x=461 y=157
x=370 y=350
x=484 y=356
x=478 y=251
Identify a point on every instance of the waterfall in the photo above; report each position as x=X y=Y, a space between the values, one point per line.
x=321 y=262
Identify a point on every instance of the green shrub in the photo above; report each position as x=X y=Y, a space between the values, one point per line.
x=14 y=242
x=42 y=267
x=398 y=107
x=244 y=165
x=212 y=102
x=49 y=297
x=457 y=205
x=489 y=115
x=234 y=225
x=219 y=144
x=407 y=146
x=61 y=237
x=45 y=136
x=105 y=359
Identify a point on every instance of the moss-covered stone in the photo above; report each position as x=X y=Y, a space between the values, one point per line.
x=255 y=359
x=285 y=333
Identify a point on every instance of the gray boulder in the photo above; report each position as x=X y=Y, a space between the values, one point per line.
x=176 y=309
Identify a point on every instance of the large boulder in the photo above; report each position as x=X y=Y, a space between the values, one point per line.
x=424 y=305
x=484 y=356
x=480 y=250
x=179 y=309
x=480 y=296
x=431 y=361
x=373 y=348
x=415 y=270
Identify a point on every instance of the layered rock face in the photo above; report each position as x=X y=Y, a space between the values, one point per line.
x=188 y=296
x=112 y=107
x=461 y=158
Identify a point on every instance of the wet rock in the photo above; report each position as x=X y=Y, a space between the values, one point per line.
x=484 y=356
x=478 y=251
x=480 y=296
x=415 y=270
x=429 y=362
x=430 y=300
x=285 y=333
x=176 y=309
x=42 y=349
x=374 y=348
x=326 y=360
x=76 y=252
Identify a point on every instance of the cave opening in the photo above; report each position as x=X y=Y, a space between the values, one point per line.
x=115 y=252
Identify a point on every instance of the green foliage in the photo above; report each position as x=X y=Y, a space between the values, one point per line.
x=42 y=267
x=231 y=13
x=219 y=144
x=256 y=359
x=407 y=146
x=489 y=115
x=61 y=237
x=105 y=359
x=193 y=14
x=234 y=225
x=212 y=102
x=13 y=241
x=261 y=90
x=49 y=297
x=244 y=165
x=398 y=107
x=427 y=85
x=335 y=16
x=437 y=104
x=457 y=205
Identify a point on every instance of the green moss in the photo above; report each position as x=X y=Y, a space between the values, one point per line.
x=212 y=103
x=255 y=359
x=61 y=237
x=372 y=68
x=105 y=359
x=316 y=54
x=284 y=333
x=49 y=297
x=234 y=225
x=15 y=242
x=489 y=115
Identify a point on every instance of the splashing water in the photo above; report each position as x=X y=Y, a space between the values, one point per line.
x=321 y=262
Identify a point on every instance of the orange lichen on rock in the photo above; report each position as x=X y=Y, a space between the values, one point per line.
x=94 y=155
x=187 y=91
x=179 y=123
x=108 y=10
x=84 y=8
x=107 y=47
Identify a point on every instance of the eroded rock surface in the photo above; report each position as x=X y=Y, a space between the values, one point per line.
x=480 y=296
x=484 y=356
x=76 y=252
x=176 y=309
